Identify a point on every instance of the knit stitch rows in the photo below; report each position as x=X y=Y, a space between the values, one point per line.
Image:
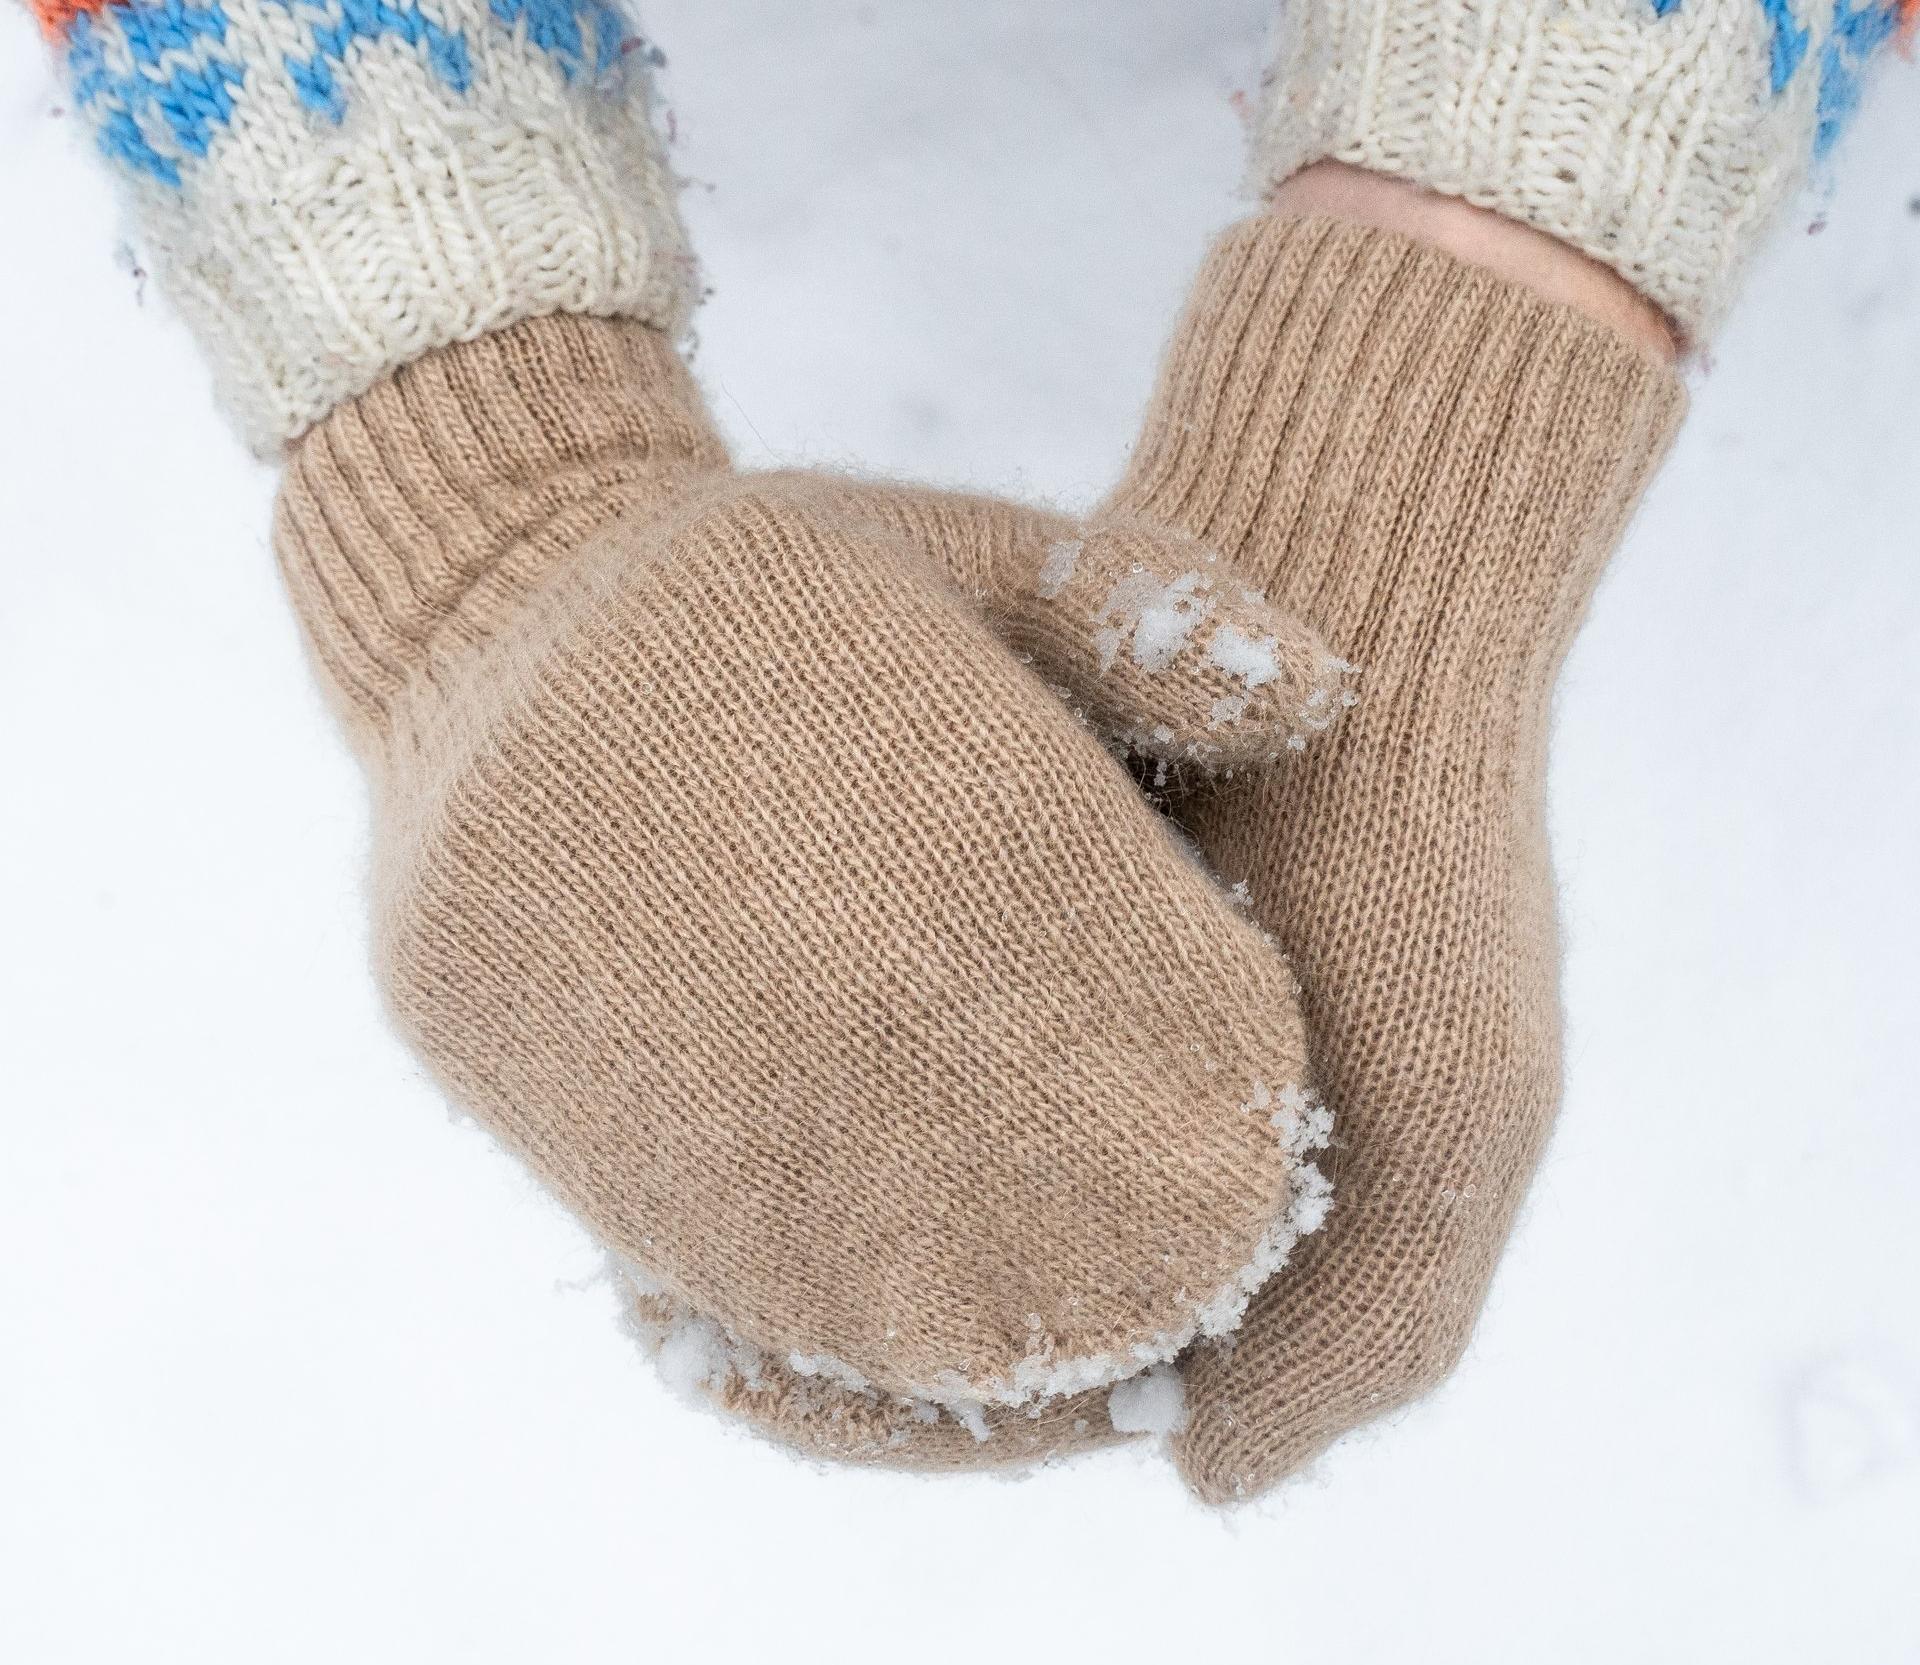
x=329 y=188
x=159 y=78
x=1662 y=137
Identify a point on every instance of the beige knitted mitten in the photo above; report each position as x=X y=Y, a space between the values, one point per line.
x=802 y=941
x=1432 y=466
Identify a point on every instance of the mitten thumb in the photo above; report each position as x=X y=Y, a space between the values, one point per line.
x=1149 y=632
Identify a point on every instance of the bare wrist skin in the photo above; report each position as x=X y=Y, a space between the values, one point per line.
x=1517 y=252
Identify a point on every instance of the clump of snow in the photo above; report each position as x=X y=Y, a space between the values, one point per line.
x=1057 y=570
x=644 y=1283
x=1229 y=708
x=694 y=1354
x=1303 y=1123
x=1256 y=662
x=969 y=1414
x=827 y=1367
x=1154 y=1402
x=1159 y=614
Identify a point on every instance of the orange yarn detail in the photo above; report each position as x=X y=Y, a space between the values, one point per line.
x=57 y=15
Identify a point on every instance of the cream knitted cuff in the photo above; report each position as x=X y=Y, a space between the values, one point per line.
x=331 y=188
x=1660 y=136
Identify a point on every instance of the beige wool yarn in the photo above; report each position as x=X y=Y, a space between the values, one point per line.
x=736 y=875
x=1432 y=466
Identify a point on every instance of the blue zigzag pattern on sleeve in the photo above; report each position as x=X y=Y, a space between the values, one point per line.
x=1792 y=40
x=1860 y=30
x=1859 y=34
x=160 y=77
x=191 y=97
x=313 y=76
x=554 y=27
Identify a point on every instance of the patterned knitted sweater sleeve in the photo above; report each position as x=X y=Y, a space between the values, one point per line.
x=1662 y=137
x=331 y=188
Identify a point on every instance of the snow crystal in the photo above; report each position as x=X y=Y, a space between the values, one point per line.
x=1254 y=662
x=1152 y=1403
x=828 y=1368
x=972 y=1418
x=1160 y=614
x=1056 y=572
x=1302 y=1123
x=1312 y=1200
x=1229 y=708
x=694 y=1354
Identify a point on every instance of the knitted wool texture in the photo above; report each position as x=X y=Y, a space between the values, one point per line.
x=1433 y=466
x=802 y=941
x=1660 y=136
x=330 y=188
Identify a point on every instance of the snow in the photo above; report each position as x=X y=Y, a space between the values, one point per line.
x=1151 y=1403
x=1253 y=659
x=1154 y=617
x=1057 y=570
x=1851 y=1422
x=272 y=1326
x=693 y=1355
x=830 y=1369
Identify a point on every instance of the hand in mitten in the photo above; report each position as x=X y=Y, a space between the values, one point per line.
x=726 y=865
x=735 y=873
x=1432 y=465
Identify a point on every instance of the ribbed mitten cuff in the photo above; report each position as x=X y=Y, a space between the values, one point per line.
x=1429 y=464
x=1660 y=136
x=418 y=517
x=331 y=188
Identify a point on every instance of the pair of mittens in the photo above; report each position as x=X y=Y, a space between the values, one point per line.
x=1430 y=466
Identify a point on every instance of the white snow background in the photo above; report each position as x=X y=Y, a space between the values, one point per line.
x=294 y=1369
